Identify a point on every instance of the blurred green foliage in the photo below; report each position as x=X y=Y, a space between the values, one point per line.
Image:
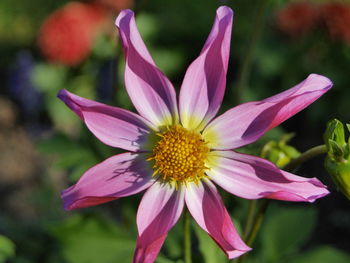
x=7 y=249
x=90 y=239
x=285 y=233
x=20 y=20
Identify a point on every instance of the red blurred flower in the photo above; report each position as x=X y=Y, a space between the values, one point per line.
x=116 y=5
x=297 y=18
x=67 y=35
x=336 y=16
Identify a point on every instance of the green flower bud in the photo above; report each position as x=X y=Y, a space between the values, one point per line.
x=337 y=162
x=279 y=152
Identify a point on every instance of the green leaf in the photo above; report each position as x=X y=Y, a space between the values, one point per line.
x=335 y=132
x=49 y=78
x=323 y=254
x=348 y=142
x=91 y=239
x=285 y=230
x=69 y=154
x=335 y=150
x=161 y=259
x=7 y=249
x=210 y=250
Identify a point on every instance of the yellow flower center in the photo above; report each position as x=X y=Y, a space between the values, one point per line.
x=180 y=155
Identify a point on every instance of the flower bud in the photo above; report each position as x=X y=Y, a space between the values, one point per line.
x=337 y=162
x=279 y=152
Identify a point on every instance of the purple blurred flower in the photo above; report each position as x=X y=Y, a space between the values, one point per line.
x=20 y=86
x=106 y=78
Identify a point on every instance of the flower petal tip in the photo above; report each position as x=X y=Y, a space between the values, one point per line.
x=62 y=94
x=122 y=14
x=293 y=197
x=66 y=97
x=69 y=205
x=224 y=10
x=237 y=253
x=71 y=202
x=312 y=199
x=319 y=191
x=321 y=80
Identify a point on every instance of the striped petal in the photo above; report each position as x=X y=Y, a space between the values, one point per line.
x=252 y=177
x=120 y=175
x=247 y=122
x=205 y=205
x=159 y=210
x=204 y=84
x=150 y=91
x=113 y=126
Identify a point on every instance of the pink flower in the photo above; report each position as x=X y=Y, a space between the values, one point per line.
x=178 y=151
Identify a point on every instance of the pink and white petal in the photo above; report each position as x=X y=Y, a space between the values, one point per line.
x=159 y=210
x=149 y=89
x=247 y=122
x=118 y=176
x=204 y=84
x=113 y=126
x=251 y=177
x=206 y=207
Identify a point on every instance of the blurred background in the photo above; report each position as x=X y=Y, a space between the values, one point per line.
x=47 y=45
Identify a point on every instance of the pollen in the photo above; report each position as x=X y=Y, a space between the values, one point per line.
x=179 y=155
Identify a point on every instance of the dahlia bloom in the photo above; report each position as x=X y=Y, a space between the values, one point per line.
x=298 y=18
x=177 y=150
x=68 y=34
x=336 y=16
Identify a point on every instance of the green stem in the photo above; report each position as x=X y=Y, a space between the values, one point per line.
x=305 y=156
x=250 y=218
x=187 y=238
x=257 y=221
x=249 y=221
x=245 y=70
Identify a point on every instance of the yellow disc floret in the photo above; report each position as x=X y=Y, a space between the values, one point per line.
x=179 y=156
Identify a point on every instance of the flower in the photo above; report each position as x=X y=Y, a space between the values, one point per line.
x=297 y=18
x=178 y=151
x=21 y=87
x=67 y=35
x=336 y=16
